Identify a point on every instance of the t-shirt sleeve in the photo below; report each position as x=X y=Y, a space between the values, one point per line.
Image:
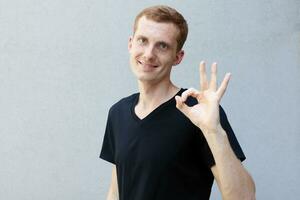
x=205 y=150
x=108 y=145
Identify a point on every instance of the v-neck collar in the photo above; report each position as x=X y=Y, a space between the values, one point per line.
x=153 y=112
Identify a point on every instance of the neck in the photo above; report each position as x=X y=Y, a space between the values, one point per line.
x=152 y=95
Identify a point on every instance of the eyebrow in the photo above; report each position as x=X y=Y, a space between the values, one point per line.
x=163 y=42
x=158 y=42
x=141 y=36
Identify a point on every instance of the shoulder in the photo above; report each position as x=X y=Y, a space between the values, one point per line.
x=123 y=103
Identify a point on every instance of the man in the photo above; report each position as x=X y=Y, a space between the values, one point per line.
x=167 y=142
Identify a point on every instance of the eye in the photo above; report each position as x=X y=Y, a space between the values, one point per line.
x=141 y=40
x=163 y=45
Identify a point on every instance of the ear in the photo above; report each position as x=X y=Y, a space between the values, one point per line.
x=179 y=57
x=130 y=43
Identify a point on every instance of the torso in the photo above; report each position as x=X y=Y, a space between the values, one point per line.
x=158 y=154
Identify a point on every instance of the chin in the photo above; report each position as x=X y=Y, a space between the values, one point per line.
x=145 y=78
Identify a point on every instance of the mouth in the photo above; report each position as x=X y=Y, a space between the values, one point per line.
x=147 y=65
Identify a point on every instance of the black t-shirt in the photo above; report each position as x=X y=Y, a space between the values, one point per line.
x=162 y=156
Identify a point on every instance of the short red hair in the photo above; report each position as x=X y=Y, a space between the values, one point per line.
x=165 y=14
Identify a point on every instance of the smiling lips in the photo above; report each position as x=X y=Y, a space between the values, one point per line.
x=147 y=66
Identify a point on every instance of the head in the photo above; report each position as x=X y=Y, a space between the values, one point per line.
x=167 y=15
x=156 y=44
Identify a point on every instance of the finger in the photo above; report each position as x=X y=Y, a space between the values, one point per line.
x=189 y=92
x=223 y=86
x=213 y=77
x=203 y=79
x=182 y=106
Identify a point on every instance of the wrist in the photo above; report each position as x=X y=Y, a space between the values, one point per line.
x=217 y=140
x=217 y=130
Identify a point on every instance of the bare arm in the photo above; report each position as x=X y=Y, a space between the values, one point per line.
x=233 y=180
x=113 y=193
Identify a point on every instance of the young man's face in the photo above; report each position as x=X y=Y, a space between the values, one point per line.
x=153 y=50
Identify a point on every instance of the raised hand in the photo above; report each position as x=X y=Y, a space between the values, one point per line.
x=205 y=114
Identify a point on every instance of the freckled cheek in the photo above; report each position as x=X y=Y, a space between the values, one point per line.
x=166 y=60
x=137 y=51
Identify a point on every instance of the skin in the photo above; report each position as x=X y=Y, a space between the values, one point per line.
x=153 y=53
x=232 y=178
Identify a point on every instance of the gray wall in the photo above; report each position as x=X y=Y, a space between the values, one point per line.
x=64 y=62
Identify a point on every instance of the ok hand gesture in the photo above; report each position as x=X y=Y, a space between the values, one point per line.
x=205 y=114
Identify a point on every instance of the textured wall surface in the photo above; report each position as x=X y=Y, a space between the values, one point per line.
x=63 y=63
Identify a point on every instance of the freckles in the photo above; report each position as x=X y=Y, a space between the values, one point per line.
x=137 y=48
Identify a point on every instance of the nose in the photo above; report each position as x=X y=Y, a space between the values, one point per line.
x=149 y=53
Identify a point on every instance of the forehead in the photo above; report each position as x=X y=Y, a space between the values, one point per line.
x=160 y=31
